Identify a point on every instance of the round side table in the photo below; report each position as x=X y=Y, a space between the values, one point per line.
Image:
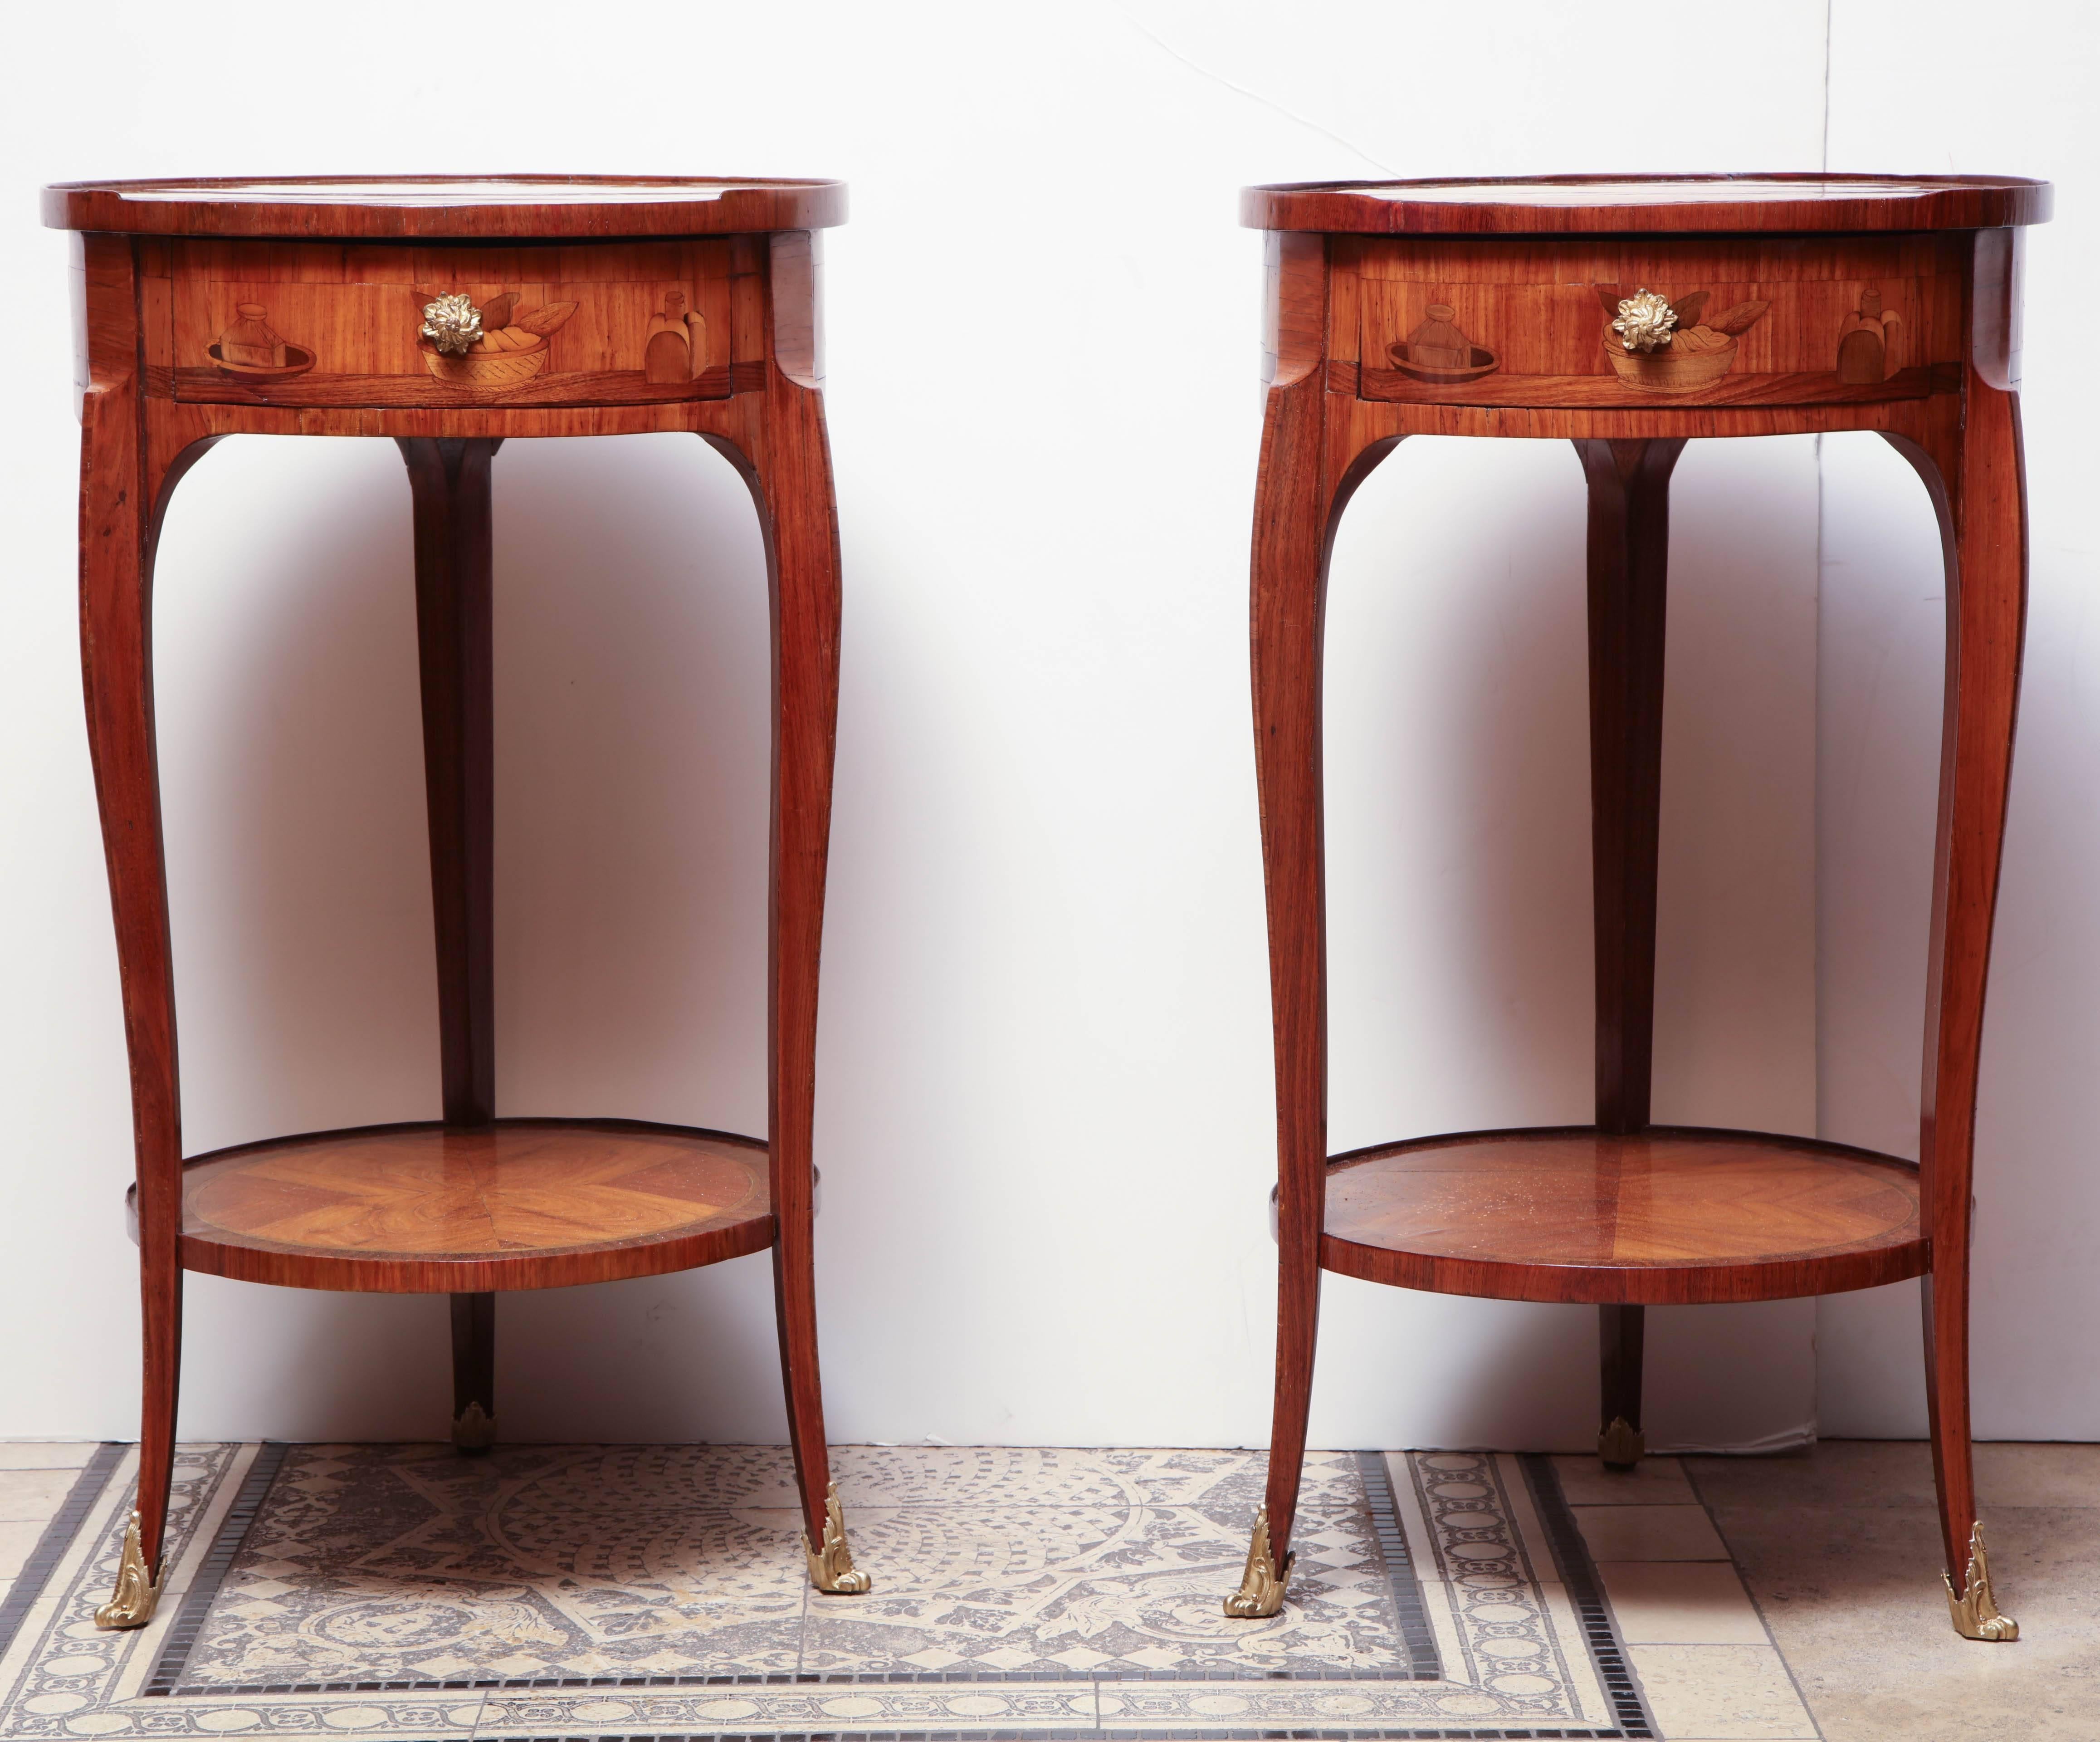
x=453 y=315
x=1629 y=317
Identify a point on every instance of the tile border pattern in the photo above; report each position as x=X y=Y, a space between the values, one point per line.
x=1585 y=1590
x=226 y=1547
x=1403 y=1583
x=51 y=1546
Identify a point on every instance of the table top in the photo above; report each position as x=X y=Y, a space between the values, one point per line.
x=1638 y=205
x=445 y=207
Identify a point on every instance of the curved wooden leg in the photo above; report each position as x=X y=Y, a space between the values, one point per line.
x=1296 y=506
x=787 y=464
x=1973 y=470
x=450 y=482
x=1629 y=567
x=123 y=487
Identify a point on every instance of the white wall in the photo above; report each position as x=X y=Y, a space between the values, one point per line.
x=1044 y=1111
x=2016 y=96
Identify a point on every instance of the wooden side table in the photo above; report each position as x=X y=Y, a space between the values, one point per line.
x=1628 y=316
x=454 y=314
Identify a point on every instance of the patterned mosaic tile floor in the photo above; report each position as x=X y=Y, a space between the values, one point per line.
x=657 y=1592
x=546 y=1562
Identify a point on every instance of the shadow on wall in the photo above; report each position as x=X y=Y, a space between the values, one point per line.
x=632 y=678
x=1459 y=944
x=1884 y=648
x=1458 y=867
x=632 y=697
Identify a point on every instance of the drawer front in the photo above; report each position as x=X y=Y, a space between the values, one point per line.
x=1786 y=322
x=315 y=325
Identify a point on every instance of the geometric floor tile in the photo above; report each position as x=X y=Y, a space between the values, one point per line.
x=401 y=1590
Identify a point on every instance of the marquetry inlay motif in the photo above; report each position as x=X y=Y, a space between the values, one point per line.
x=313 y=325
x=1758 y=322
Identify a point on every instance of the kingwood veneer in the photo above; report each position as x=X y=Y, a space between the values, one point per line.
x=605 y=305
x=1628 y=315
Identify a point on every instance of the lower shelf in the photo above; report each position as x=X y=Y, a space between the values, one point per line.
x=521 y=1204
x=1676 y=1215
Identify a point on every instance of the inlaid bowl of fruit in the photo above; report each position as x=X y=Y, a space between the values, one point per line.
x=1661 y=347
x=501 y=350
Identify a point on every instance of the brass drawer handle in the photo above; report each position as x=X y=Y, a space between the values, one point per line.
x=1644 y=321
x=452 y=324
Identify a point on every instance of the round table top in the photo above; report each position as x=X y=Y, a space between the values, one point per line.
x=1636 y=205
x=445 y=207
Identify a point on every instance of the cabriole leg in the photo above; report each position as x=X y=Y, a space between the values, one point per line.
x=1973 y=470
x=1290 y=553
x=788 y=468
x=121 y=490
x=1296 y=506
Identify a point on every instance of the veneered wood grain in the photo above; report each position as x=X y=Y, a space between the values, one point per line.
x=450 y=484
x=1355 y=420
x=1628 y=587
x=1974 y=471
x=357 y=310
x=1295 y=313
x=786 y=462
x=451 y=207
x=1995 y=319
x=1293 y=510
x=1304 y=481
x=1534 y=306
x=1633 y=205
x=435 y=1208
x=1603 y=391
x=1660 y=1214
x=123 y=484
x=1628 y=563
x=796 y=257
x=1621 y=1347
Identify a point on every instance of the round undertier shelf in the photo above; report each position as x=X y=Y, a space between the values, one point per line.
x=521 y=1204
x=1676 y=1215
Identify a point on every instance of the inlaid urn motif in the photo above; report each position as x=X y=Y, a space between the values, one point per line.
x=252 y=349
x=1438 y=351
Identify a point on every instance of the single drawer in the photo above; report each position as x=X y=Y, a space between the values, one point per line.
x=1753 y=321
x=341 y=325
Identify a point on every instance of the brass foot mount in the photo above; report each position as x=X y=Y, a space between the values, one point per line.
x=1975 y=1611
x=832 y=1568
x=136 y=1596
x=474 y=1431
x=1262 y=1584
x=1621 y=1445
